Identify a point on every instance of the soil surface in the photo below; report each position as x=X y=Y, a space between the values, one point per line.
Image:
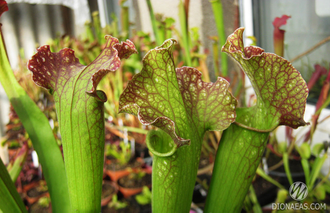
x=132 y=207
x=35 y=192
x=107 y=189
x=131 y=182
x=36 y=208
x=116 y=166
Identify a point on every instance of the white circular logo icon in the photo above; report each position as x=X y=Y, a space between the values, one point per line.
x=298 y=191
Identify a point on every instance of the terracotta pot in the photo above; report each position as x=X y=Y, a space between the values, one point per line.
x=37 y=208
x=32 y=199
x=105 y=200
x=117 y=174
x=127 y=192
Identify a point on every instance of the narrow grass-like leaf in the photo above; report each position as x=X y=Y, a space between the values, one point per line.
x=316 y=169
x=281 y=99
x=218 y=16
x=14 y=168
x=184 y=33
x=153 y=23
x=287 y=167
x=10 y=200
x=182 y=105
x=80 y=113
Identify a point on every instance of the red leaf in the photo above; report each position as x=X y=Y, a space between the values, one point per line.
x=279 y=34
x=3 y=7
x=280 y=21
x=319 y=71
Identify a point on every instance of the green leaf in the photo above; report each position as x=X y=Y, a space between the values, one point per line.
x=281 y=91
x=281 y=99
x=304 y=150
x=179 y=103
x=218 y=16
x=10 y=200
x=145 y=197
x=320 y=192
x=37 y=126
x=80 y=113
x=14 y=168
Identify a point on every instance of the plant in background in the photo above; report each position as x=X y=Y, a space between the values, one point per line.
x=122 y=153
x=14 y=167
x=116 y=204
x=44 y=201
x=145 y=197
x=279 y=34
x=218 y=16
x=137 y=175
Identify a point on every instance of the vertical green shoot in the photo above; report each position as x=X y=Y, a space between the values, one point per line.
x=218 y=16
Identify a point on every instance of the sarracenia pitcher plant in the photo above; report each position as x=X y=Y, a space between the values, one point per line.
x=79 y=107
x=183 y=107
x=176 y=101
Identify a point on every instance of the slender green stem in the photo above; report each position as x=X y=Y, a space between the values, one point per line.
x=254 y=199
x=215 y=49
x=287 y=167
x=262 y=174
x=125 y=22
x=316 y=169
x=306 y=168
x=218 y=16
x=185 y=34
x=153 y=24
x=97 y=27
x=324 y=105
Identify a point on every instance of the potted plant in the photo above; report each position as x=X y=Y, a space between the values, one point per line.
x=109 y=189
x=35 y=190
x=120 y=206
x=134 y=182
x=123 y=162
x=144 y=199
x=42 y=206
